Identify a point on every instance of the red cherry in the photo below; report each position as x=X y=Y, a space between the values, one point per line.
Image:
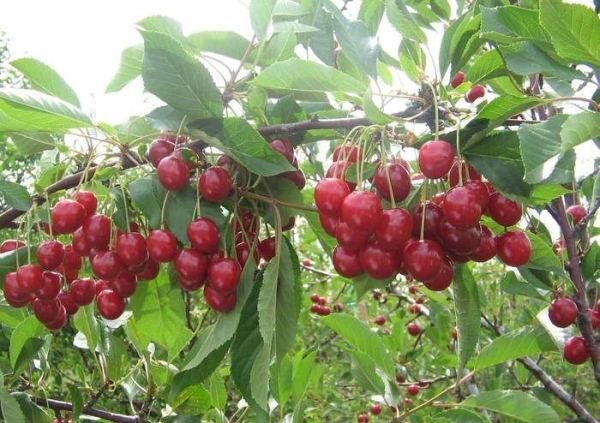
x=66 y=216
x=379 y=320
x=173 y=173
x=59 y=321
x=513 y=248
x=377 y=262
x=562 y=312
x=191 y=265
x=10 y=245
x=66 y=299
x=433 y=217
x=394 y=229
x=575 y=351
x=106 y=264
x=399 y=181
x=362 y=210
x=346 y=152
x=474 y=93
x=346 y=263
x=329 y=196
x=480 y=190
x=324 y=310
x=190 y=285
x=414 y=308
x=315 y=298
x=577 y=212
x=338 y=169
x=249 y=222
x=219 y=301
x=328 y=223
x=162 y=245
x=248 y=237
x=461 y=207
x=203 y=234
x=124 y=284
x=80 y=243
x=362 y=418
x=224 y=275
x=435 y=158
x=594 y=317
x=68 y=273
x=46 y=310
x=101 y=285
x=423 y=259
x=468 y=173
x=96 y=229
x=400 y=378
x=29 y=277
x=285 y=148
x=175 y=138
x=350 y=239
x=51 y=284
x=443 y=279
x=266 y=248
x=159 y=149
x=149 y=272
x=242 y=252
x=504 y=211
x=458 y=79
x=83 y=291
x=88 y=200
x=457 y=258
x=459 y=240
x=297 y=177
x=188 y=156
x=50 y=254
x=110 y=305
x=413 y=328
x=131 y=248
x=486 y=249
x=438 y=199
x=215 y=184
x=376 y=409
x=13 y=293
x=71 y=258
x=413 y=390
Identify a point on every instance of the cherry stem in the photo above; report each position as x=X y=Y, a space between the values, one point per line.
x=28 y=237
x=435 y=111
x=197 y=193
x=424 y=209
x=162 y=210
x=259 y=197
x=128 y=228
x=458 y=155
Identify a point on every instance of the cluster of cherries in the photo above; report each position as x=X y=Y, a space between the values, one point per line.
x=424 y=243
x=476 y=91
x=319 y=306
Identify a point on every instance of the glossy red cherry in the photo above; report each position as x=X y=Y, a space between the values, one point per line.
x=131 y=248
x=159 y=149
x=224 y=275
x=246 y=220
x=379 y=320
x=486 y=249
x=10 y=245
x=285 y=148
x=162 y=245
x=423 y=259
x=110 y=305
x=96 y=229
x=124 y=284
x=346 y=152
x=458 y=79
x=46 y=310
x=413 y=329
x=461 y=207
x=68 y=273
x=480 y=190
x=297 y=177
x=219 y=301
x=267 y=248
x=248 y=237
x=376 y=409
x=513 y=248
x=433 y=217
x=394 y=229
x=100 y=285
x=576 y=351
x=315 y=298
x=338 y=169
x=66 y=299
x=191 y=265
x=203 y=234
x=362 y=418
x=83 y=291
x=190 y=285
x=71 y=258
x=150 y=271
x=594 y=317
x=106 y=264
x=59 y=321
x=474 y=93
x=562 y=312
x=377 y=262
x=462 y=241
x=173 y=173
x=88 y=200
x=175 y=138
x=215 y=183
x=435 y=158
x=66 y=216
x=362 y=210
x=577 y=212
x=29 y=277
x=392 y=175
x=242 y=252
x=504 y=211
x=346 y=264
x=443 y=279
x=51 y=284
x=468 y=174
x=80 y=243
x=413 y=390
x=50 y=254
x=13 y=293
x=329 y=196
x=328 y=223
x=350 y=239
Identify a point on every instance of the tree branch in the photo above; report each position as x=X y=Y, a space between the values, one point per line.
x=57 y=405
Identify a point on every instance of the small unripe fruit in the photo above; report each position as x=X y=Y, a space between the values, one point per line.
x=413 y=389
x=413 y=329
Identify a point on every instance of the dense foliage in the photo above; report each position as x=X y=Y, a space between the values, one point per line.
x=310 y=226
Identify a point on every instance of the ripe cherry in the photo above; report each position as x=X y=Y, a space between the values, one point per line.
x=88 y=200
x=377 y=262
x=110 y=305
x=13 y=293
x=577 y=212
x=575 y=351
x=315 y=298
x=191 y=265
x=435 y=158
x=242 y=252
x=100 y=285
x=203 y=234
x=503 y=210
x=66 y=299
x=459 y=240
x=392 y=175
x=329 y=196
x=96 y=229
x=480 y=190
x=215 y=183
x=285 y=148
x=59 y=321
x=173 y=173
x=346 y=152
x=562 y=312
x=474 y=93
x=458 y=79
x=594 y=317
x=131 y=248
x=190 y=285
x=159 y=149
x=461 y=207
x=51 y=284
x=150 y=271
x=362 y=418
x=266 y=248
x=513 y=248
x=346 y=263
x=46 y=310
x=394 y=229
x=297 y=177
x=414 y=308
x=29 y=277
x=71 y=258
x=50 y=254
x=219 y=301
x=362 y=210
x=379 y=320
x=468 y=173
x=83 y=291
x=66 y=216
x=80 y=243
x=486 y=249
x=413 y=390
x=350 y=239
x=162 y=245
x=423 y=259
x=443 y=279
x=329 y=223
x=433 y=217
x=224 y=275
x=106 y=264
x=124 y=284
x=249 y=222
x=10 y=245
x=68 y=273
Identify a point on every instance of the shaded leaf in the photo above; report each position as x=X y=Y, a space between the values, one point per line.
x=518 y=405
x=15 y=195
x=467 y=309
x=129 y=68
x=43 y=78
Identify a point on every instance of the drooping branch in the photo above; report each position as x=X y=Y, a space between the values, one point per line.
x=103 y=414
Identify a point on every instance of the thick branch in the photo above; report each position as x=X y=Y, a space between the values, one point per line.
x=103 y=414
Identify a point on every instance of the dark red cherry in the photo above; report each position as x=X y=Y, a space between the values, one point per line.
x=173 y=173
x=68 y=273
x=480 y=190
x=162 y=245
x=59 y=321
x=66 y=216
x=438 y=199
x=392 y=175
x=443 y=279
x=297 y=177
x=377 y=262
x=577 y=212
x=215 y=184
x=189 y=285
x=474 y=93
x=110 y=305
x=562 y=312
x=191 y=265
x=131 y=248
x=13 y=293
x=203 y=234
x=88 y=200
x=224 y=275
x=10 y=245
x=71 y=258
x=458 y=79
x=150 y=271
x=100 y=285
x=462 y=241
x=124 y=284
x=329 y=196
x=576 y=351
x=362 y=210
x=50 y=254
x=285 y=148
x=394 y=229
x=435 y=158
x=329 y=223
x=218 y=300
x=29 y=277
x=242 y=252
x=346 y=263
x=414 y=329
x=46 y=310
x=267 y=248
x=513 y=248
x=175 y=138
x=423 y=258
x=97 y=230
x=376 y=409
x=249 y=222
x=468 y=174
x=66 y=299
x=83 y=291
x=350 y=239
x=433 y=217
x=80 y=243
x=486 y=249
x=106 y=264
x=461 y=207
x=51 y=284
x=248 y=237
x=504 y=211
x=346 y=152
x=159 y=149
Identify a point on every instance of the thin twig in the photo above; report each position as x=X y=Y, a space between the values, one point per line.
x=67 y=406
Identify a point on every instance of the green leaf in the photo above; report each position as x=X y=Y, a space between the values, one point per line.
x=542 y=256
x=30 y=349
x=525 y=58
x=179 y=212
x=31 y=411
x=327 y=241
x=512 y=285
x=15 y=195
x=143 y=196
x=459 y=42
x=76 y=399
x=29 y=143
x=528 y=340
x=129 y=69
x=280 y=47
x=371 y=12
x=218 y=394
x=578 y=129
x=24 y=110
x=517 y=405
x=162 y=24
x=363 y=284
x=292 y=26
x=11 y=411
x=468 y=314
x=175 y=76
x=403 y=21
x=225 y=43
x=322 y=43
x=487 y=66
x=86 y=323
x=510 y=24
x=194 y=400
x=9 y=260
x=374 y=114
x=158 y=311
x=43 y=78
x=364 y=372
x=117 y=357
x=240 y=141
x=11 y=317
x=412 y=59
x=357 y=44
x=575 y=31
x=27 y=329
x=362 y=339
x=261 y=13
x=303 y=75
x=460 y=415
